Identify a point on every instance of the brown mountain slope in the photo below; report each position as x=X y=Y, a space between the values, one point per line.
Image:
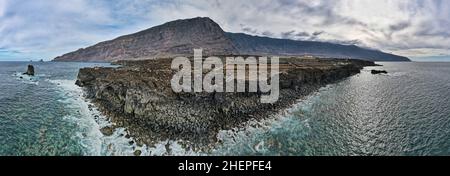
x=176 y=38
x=179 y=38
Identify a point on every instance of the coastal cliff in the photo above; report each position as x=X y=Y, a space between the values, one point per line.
x=138 y=96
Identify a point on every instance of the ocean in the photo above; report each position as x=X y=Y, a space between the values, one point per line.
x=405 y=112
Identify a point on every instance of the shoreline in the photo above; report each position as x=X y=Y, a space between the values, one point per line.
x=195 y=119
x=90 y=122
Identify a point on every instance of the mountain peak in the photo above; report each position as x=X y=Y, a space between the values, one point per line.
x=172 y=39
x=196 y=19
x=182 y=24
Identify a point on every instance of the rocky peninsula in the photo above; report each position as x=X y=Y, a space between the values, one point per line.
x=138 y=96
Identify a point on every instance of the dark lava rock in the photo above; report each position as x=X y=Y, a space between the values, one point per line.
x=137 y=153
x=30 y=70
x=139 y=97
x=107 y=131
x=379 y=72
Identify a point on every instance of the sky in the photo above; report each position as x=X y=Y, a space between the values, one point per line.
x=44 y=29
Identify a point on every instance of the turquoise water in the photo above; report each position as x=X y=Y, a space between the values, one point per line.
x=47 y=115
x=406 y=112
x=32 y=114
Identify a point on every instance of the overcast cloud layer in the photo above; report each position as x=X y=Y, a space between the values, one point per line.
x=44 y=29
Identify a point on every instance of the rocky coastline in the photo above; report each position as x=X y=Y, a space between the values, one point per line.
x=138 y=96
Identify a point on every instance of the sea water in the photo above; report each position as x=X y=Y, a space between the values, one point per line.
x=405 y=112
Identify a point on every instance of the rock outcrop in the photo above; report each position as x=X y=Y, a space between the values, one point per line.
x=30 y=70
x=375 y=72
x=138 y=96
x=179 y=38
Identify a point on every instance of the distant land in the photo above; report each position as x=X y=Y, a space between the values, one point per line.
x=180 y=37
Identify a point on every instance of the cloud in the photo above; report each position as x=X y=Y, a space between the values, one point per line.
x=302 y=34
x=249 y=29
x=288 y=34
x=267 y=34
x=2 y=7
x=48 y=28
x=317 y=33
x=400 y=26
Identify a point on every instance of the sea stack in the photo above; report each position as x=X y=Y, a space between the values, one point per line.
x=375 y=72
x=30 y=70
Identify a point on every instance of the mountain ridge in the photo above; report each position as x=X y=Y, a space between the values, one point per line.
x=180 y=37
x=252 y=45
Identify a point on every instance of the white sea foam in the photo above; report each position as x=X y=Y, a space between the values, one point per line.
x=90 y=121
x=34 y=80
x=248 y=133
